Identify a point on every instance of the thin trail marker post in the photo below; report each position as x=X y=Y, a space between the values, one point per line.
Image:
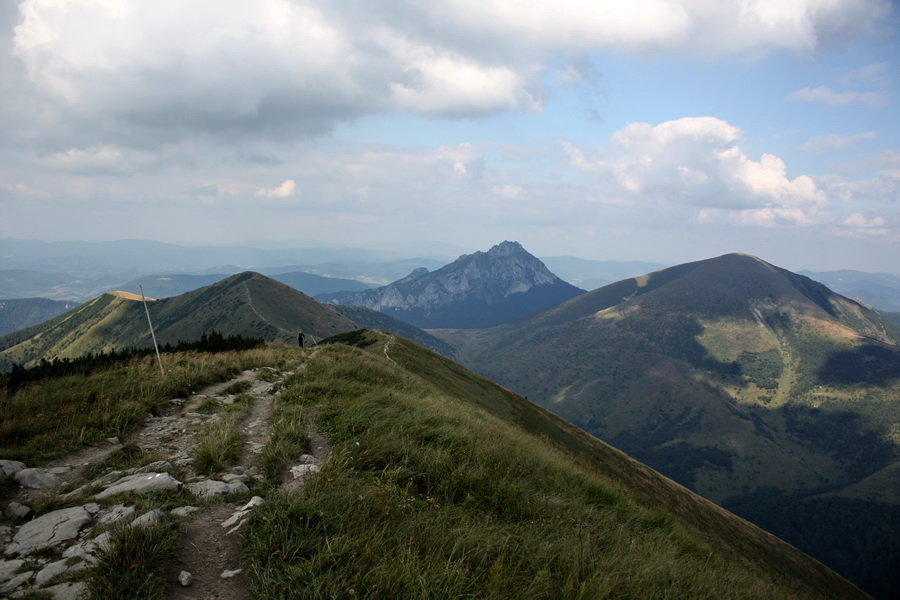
x=153 y=335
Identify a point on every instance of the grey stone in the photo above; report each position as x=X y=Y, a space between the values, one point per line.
x=16 y=582
x=239 y=514
x=140 y=483
x=183 y=511
x=59 y=470
x=153 y=517
x=8 y=569
x=115 y=441
x=185 y=579
x=115 y=514
x=211 y=487
x=37 y=479
x=307 y=459
x=229 y=574
x=50 y=571
x=160 y=466
x=86 y=548
x=67 y=591
x=53 y=529
x=303 y=470
x=229 y=477
x=10 y=467
x=5 y=534
x=108 y=478
x=14 y=510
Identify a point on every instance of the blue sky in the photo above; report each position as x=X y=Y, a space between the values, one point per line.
x=649 y=130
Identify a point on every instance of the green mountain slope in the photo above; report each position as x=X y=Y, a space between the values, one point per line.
x=741 y=380
x=18 y=313
x=246 y=304
x=439 y=483
x=443 y=484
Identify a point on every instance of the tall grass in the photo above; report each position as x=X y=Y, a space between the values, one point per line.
x=218 y=445
x=130 y=565
x=431 y=496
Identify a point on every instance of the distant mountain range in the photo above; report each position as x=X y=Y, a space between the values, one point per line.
x=878 y=290
x=166 y=286
x=759 y=388
x=246 y=304
x=475 y=290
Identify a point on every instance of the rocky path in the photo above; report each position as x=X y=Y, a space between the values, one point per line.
x=58 y=545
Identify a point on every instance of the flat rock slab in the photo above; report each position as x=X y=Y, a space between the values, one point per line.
x=53 y=529
x=10 y=467
x=8 y=569
x=140 y=483
x=38 y=479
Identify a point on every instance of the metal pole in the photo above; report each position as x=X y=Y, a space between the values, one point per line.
x=153 y=335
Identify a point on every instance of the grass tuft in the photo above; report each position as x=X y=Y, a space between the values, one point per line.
x=130 y=567
x=218 y=445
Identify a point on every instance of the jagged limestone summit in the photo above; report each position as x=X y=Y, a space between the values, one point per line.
x=475 y=290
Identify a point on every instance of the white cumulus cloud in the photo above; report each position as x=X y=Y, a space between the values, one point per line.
x=285 y=190
x=697 y=161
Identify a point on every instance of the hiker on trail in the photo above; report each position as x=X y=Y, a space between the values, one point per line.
x=300 y=339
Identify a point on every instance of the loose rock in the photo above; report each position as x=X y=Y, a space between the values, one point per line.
x=14 y=510
x=185 y=579
x=152 y=517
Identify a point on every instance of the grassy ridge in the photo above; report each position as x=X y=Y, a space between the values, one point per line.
x=443 y=485
x=61 y=415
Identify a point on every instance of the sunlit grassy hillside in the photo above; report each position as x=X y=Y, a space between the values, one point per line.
x=439 y=484
x=442 y=484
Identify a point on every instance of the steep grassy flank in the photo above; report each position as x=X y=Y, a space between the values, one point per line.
x=444 y=485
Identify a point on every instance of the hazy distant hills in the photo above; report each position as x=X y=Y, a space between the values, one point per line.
x=759 y=388
x=246 y=304
x=592 y=274
x=879 y=290
x=166 y=286
x=18 y=313
x=476 y=290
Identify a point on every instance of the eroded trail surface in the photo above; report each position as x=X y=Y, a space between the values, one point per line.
x=207 y=562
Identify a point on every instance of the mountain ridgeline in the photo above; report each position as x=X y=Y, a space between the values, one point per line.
x=247 y=304
x=760 y=389
x=476 y=290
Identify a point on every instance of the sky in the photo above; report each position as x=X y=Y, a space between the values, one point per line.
x=651 y=130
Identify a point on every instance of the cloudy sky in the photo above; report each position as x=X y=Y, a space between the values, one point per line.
x=661 y=130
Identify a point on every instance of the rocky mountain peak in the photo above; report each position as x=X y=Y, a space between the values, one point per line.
x=475 y=290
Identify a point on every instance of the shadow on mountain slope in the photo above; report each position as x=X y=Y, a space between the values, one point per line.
x=870 y=364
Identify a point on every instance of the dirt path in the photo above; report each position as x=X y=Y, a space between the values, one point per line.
x=205 y=548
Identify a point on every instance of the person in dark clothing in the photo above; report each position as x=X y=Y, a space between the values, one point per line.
x=300 y=339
